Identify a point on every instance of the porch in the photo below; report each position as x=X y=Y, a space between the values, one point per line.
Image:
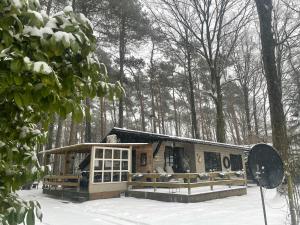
x=187 y=187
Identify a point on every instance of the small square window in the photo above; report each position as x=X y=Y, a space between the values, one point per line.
x=124 y=176
x=99 y=154
x=107 y=165
x=117 y=154
x=98 y=164
x=116 y=165
x=97 y=177
x=116 y=176
x=125 y=165
x=124 y=154
x=107 y=176
x=108 y=154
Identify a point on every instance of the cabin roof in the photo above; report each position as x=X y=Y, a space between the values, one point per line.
x=86 y=147
x=134 y=136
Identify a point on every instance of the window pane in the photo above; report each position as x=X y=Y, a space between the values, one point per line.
x=125 y=165
x=124 y=176
x=116 y=176
x=108 y=154
x=99 y=153
x=212 y=161
x=236 y=162
x=107 y=176
x=98 y=165
x=124 y=154
x=117 y=154
x=116 y=165
x=107 y=165
x=97 y=177
x=143 y=159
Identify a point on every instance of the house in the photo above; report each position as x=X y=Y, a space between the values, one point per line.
x=128 y=158
x=180 y=153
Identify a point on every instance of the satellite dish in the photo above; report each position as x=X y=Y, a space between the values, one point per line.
x=265 y=166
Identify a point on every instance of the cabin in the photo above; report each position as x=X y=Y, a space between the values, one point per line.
x=147 y=165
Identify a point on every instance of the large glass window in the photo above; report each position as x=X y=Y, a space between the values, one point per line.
x=236 y=162
x=212 y=161
x=110 y=165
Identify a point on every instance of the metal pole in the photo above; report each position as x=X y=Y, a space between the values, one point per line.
x=258 y=177
x=263 y=203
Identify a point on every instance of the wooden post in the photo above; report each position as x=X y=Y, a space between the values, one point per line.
x=245 y=177
x=211 y=178
x=189 y=184
x=78 y=187
x=228 y=176
x=155 y=179
x=129 y=179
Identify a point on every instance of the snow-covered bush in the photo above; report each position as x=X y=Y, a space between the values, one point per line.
x=47 y=66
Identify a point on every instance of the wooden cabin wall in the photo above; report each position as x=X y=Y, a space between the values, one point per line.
x=159 y=159
x=148 y=167
x=189 y=154
x=224 y=151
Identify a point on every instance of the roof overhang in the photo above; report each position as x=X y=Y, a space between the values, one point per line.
x=142 y=136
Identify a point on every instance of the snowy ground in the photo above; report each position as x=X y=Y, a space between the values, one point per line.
x=242 y=210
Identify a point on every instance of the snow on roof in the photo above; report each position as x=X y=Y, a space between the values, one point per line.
x=117 y=130
x=86 y=147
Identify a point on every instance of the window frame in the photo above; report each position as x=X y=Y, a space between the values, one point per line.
x=112 y=159
x=218 y=160
x=232 y=161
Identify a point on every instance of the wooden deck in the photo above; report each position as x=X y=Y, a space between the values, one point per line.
x=187 y=180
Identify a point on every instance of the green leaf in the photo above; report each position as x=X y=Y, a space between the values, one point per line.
x=18 y=80
x=38 y=212
x=21 y=214
x=30 y=219
x=18 y=100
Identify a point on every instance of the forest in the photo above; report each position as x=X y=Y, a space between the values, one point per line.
x=218 y=70
x=188 y=69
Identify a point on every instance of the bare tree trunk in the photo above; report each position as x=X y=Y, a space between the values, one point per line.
x=73 y=132
x=58 y=138
x=265 y=115
x=235 y=125
x=175 y=107
x=232 y=131
x=49 y=140
x=255 y=116
x=247 y=112
x=279 y=133
x=220 y=129
x=195 y=132
x=102 y=118
x=151 y=71
x=88 y=125
x=49 y=6
x=122 y=46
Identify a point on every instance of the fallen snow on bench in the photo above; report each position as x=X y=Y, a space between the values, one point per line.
x=239 y=210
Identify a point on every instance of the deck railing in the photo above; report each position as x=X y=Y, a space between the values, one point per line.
x=61 y=181
x=186 y=180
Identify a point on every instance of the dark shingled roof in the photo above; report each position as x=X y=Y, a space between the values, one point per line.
x=134 y=136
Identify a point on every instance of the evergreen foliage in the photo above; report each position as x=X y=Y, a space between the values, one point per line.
x=47 y=66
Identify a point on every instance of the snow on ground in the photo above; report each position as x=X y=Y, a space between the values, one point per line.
x=239 y=210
